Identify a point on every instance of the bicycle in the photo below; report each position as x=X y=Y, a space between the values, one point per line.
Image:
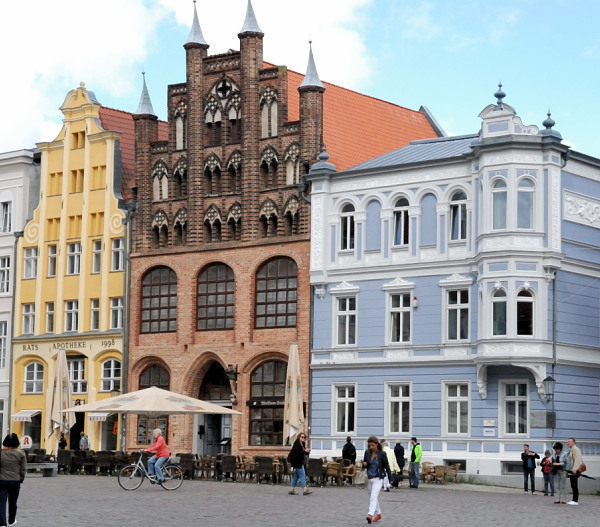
x=132 y=476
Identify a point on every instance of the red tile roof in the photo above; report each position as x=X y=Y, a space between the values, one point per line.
x=120 y=121
x=358 y=127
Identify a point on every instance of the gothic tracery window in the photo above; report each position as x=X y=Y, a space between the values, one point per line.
x=160 y=181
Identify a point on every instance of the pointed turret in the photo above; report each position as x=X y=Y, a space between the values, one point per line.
x=250 y=23
x=312 y=77
x=196 y=36
x=145 y=106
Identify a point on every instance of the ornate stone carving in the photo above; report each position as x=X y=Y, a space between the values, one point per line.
x=212 y=214
x=212 y=162
x=235 y=212
x=582 y=210
x=160 y=219
x=268 y=209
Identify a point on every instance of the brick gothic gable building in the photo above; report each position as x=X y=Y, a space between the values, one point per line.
x=220 y=239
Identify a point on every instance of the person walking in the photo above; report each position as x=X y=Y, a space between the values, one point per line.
x=387 y=482
x=161 y=454
x=399 y=455
x=376 y=462
x=561 y=463
x=528 y=458
x=576 y=460
x=13 y=466
x=84 y=444
x=546 y=464
x=349 y=451
x=298 y=458
x=416 y=453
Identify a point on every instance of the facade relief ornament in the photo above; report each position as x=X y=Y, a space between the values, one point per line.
x=582 y=210
x=345 y=288
x=398 y=284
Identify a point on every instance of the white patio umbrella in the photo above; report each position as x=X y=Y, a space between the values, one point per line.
x=153 y=402
x=293 y=412
x=58 y=398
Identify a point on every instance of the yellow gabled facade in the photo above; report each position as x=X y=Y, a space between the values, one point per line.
x=69 y=278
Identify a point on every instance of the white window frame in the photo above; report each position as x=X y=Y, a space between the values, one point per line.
x=447 y=400
x=529 y=300
x=118 y=255
x=458 y=210
x=5 y=274
x=389 y=400
x=347 y=228
x=77 y=375
x=34 y=377
x=3 y=342
x=94 y=314
x=112 y=381
x=395 y=287
x=30 y=264
x=116 y=312
x=401 y=217
x=500 y=300
x=346 y=401
x=348 y=315
x=401 y=312
x=73 y=258
x=497 y=192
x=503 y=399
x=52 y=255
x=28 y=311
x=96 y=256
x=71 y=315
x=50 y=320
x=458 y=307
x=530 y=192
x=6 y=216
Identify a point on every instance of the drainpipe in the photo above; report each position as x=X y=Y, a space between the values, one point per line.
x=553 y=338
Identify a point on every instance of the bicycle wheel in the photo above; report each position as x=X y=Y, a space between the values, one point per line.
x=173 y=477
x=131 y=477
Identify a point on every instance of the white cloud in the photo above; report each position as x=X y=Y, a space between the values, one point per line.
x=418 y=23
x=52 y=46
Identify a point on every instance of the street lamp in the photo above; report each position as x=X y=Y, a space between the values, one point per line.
x=549 y=384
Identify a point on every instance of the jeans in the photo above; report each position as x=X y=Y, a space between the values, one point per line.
x=9 y=490
x=548 y=481
x=299 y=474
x=414 y=469
x=574 y=479
x=529 y=472
x=374 y=488
x=154 y=464
x=561 y=484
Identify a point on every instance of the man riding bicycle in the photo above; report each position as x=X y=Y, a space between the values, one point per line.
x=161 y=455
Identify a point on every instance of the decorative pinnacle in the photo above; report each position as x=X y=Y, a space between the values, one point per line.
x=549 y=122
x=499 y=95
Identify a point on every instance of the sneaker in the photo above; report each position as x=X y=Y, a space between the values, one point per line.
x=387 y=490
x=369 y=518
x=13 y=523
x=525 y=492
x=533 y=493
x=293 y=492
x=307 y=492
x=377 y=517
x=572 y=503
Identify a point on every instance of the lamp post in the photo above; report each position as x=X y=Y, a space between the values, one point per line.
x=549 y=383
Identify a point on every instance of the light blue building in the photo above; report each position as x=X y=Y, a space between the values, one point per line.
x=451 y=278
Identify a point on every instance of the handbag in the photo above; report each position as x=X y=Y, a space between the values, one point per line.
x=361 y=477
x=582 y=468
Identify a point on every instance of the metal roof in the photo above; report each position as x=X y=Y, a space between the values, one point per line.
x=421 y=151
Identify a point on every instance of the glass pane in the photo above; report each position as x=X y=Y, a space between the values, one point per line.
x=464 y=417
x=522 y=417
x=452 y=314
x=395 y=416
x=341 y=417
x=510 y=417
x=452 y=418
x=525 y=210
x=499 y=221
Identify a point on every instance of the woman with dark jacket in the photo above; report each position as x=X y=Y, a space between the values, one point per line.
x=377 y=465
x=13 y=465
x=298 y=458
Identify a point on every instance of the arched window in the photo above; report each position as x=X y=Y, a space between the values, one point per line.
x=268 y=171
x=267 y=383
x=499 y=204
x=347 y=227
x=180 y=227
x=524 y=313
x=212 y=120
x=154 y=375
x=525 y=194
x=179 y=133
x=180 y=180
x=292 y=165
x=215 y=385
x=268 y=113
x=160 y=182
x=276 y=294
x=234 y=174
x=235 y=125
x=499 y=313
x=216 y=297
x=111 y=375
x=34 y=378
x=159 y=301
x=401 y=222
x=458 y=216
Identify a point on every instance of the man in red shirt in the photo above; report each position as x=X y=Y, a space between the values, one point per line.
x=159 y=447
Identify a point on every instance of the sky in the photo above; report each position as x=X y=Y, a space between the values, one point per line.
x=447 y=55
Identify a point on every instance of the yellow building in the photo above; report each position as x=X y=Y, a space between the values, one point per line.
x=69 y=278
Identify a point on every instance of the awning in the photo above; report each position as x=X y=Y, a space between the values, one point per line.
x=97 y=416
x=25 y=415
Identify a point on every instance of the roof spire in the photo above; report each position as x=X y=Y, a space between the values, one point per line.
x=196 y=36
x=499 y=96
x=250 y=23
x=549 y=122
x=312 y=77
x=145 y=106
